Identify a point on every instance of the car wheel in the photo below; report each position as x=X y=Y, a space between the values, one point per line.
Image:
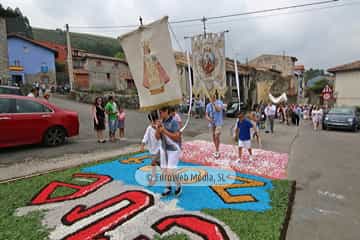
x=54 y=136
x=325 y=127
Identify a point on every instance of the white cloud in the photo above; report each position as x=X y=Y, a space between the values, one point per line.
x=321 y=38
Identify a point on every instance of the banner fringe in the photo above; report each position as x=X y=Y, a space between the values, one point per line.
x=159 y=106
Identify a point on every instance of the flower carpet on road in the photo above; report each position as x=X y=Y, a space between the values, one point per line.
x=111 y=200
x=265 y=163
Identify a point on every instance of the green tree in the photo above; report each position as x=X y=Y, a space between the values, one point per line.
x=120 y=55
x=311 y=73
x=16 y=22
x=319 y=85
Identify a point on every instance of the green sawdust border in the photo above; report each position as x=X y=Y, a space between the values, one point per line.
x=287 y=219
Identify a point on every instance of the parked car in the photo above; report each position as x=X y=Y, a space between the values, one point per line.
x=27 y=120
x=4 y=89
x=342 y=118
x=232 y=109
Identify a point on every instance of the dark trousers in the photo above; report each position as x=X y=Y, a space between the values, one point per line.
x=271 y=123
x=297 y=119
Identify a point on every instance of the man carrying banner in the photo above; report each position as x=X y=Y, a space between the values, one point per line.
x=168 y=132
x=214 y=115
x=152 y=64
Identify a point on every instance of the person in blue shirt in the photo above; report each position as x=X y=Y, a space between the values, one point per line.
x=168 y=132
x=214 y=115
x=243 y=135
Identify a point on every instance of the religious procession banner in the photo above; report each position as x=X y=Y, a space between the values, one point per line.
x=208 y=62
x=152 y=64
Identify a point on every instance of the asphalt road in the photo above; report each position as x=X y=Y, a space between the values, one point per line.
x=135 y=125
x=326 y=165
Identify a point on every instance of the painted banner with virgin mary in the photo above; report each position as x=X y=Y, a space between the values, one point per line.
x=208 y=61
x=151 y=60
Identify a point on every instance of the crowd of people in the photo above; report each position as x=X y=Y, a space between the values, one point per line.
x=115 y=118
x=39 y=90
x=163 y=135
x=290 y=114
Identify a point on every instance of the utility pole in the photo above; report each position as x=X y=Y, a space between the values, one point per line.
x=203 y=20
x=69 y=58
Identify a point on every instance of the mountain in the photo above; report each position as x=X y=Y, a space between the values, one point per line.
x=91 y=43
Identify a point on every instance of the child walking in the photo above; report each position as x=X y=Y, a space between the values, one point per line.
x=168 y=132
x=243 y=135
x=153 y=144
x=255 y=130
x=121 y=122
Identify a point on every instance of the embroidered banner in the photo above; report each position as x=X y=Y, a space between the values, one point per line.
x=152 y=64
x=209 y=64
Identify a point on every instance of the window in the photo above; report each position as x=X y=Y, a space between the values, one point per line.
x=26 y=49
x=116 y=65
x=78 y=64
x=5 y=105
x=98 y=63
x=234 y=93
x=108 y=76
x=273 y=67
x=26 y=106
x=44 y=68
x=17 y=63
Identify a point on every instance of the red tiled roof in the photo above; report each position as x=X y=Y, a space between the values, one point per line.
x=61 y=49
x=345 y=67
x=15 y=35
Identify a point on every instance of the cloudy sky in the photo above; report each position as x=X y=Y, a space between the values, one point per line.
x=320 y=37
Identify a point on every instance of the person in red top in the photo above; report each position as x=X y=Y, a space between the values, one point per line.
x=121 y=122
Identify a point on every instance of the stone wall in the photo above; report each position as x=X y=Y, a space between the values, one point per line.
x=4 y=62
x=32 y=78
x=125 y=101
x=108 y=75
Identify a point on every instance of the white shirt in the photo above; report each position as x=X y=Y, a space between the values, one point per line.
x=150 y=140
x=31 y=95
x=270 y=110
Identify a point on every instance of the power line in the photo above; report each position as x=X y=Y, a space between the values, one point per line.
x=288 y=13
x=273 y=9
x=219 y=17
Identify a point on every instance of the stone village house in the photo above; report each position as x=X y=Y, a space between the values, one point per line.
x=30 y=61
x=347 y=83
x=286 y=66
x=4 y=64
x=98 y=73
x=255 y=82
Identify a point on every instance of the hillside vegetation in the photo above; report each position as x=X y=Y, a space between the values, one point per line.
x=91 y=43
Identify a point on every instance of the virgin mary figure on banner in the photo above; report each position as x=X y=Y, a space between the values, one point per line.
x=155 y=76
x=208 y=63
x=152 y=64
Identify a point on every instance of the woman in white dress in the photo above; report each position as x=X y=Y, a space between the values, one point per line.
x=315 y=115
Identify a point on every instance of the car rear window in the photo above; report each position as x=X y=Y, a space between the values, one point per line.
x=5 y=105
x=12 y=91
x=28 y=106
